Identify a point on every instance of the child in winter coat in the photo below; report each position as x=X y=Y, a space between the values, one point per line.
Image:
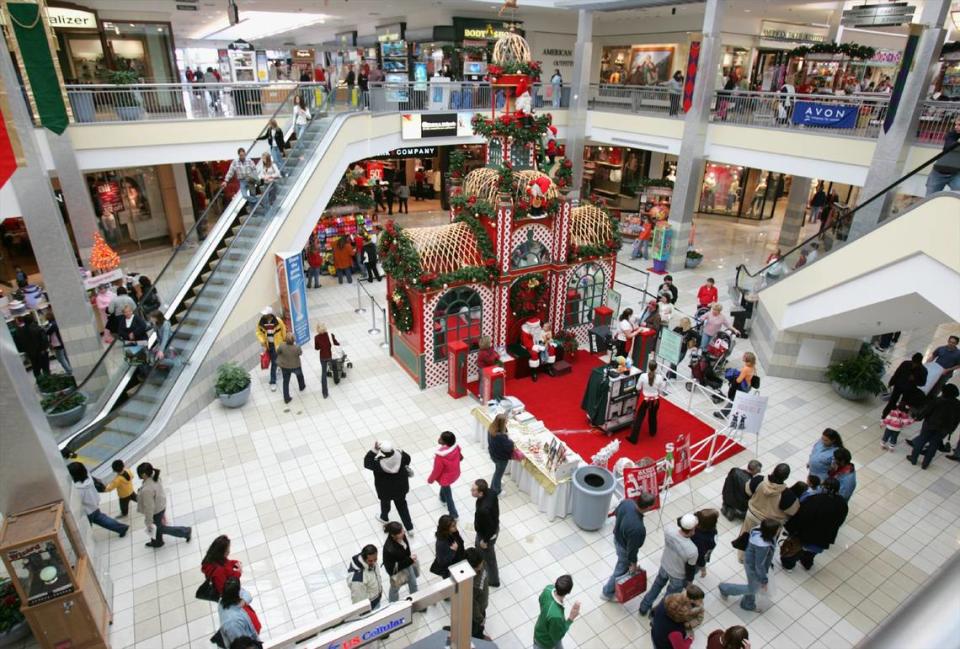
x=446 y=469
x=895 y=421
x=123 y=483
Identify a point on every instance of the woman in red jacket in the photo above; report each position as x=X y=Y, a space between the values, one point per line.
x=315 y=263
x=446 y=469
x=323 y=342
x=217 y=566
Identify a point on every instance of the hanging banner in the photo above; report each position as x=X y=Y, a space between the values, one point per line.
x=812 y=113
x=8 y=157
x=35 y=54
x=681 y=458
x=636 y=480
x=693 y=61
x=906 y=66
x=293 y=295
x=747 y=412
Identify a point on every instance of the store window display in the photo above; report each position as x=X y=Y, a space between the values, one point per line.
x=129 y=206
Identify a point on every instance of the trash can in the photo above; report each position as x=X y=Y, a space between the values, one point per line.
x=592 y=490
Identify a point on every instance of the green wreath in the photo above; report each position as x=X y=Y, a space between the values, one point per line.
x=528 y=295
x=402 y=310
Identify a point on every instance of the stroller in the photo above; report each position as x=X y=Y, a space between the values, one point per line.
x=339 y=363
x=708 y=369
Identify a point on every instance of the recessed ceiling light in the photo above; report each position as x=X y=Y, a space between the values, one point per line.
x=747 y=11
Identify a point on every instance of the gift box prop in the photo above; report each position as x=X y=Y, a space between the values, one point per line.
x=515 y=248
x=493 y=384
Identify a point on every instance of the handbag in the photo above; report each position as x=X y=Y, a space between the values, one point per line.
x=629 y=586
x=265 y=360
x=217 y=639
x=403 y=576
x=517 y=454
x=791 y=547
x=741 y=542
x=208 y=592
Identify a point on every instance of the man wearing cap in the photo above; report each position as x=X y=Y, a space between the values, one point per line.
x=391 y=478
x=271 y=332
x=629 y=534
x=679 y=551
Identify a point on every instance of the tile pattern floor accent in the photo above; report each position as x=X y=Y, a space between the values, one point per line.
x=290 y=490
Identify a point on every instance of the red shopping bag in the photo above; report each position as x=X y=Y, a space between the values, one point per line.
x=629 y=586
x=265 y=360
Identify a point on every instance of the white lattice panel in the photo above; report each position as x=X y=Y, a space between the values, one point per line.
x=541 y=234
x=436 y=371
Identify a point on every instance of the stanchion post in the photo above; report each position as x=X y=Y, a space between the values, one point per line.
x=373 y=317
x=359 y=308
x=383 y=316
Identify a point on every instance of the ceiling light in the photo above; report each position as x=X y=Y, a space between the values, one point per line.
x=259 y=24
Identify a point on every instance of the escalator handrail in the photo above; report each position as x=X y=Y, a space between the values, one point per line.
x=187 y=237
x=844 y=216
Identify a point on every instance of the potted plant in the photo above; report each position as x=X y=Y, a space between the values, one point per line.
x=568 y=341
x=13 y=626
x=858 y=377
x=693 y=259
x=126 y=102
x=64 y=410
x=55 y=383
x=232 y=385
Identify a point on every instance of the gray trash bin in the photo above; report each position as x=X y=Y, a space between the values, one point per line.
x=592 y=490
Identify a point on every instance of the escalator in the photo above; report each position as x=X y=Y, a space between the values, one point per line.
x=901 y=274
x=196 y=280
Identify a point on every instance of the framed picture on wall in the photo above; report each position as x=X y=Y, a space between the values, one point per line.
x=650 y=64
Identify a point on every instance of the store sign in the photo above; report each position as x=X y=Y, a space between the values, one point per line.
x=241 y=46
x=293 y=295
x=408 y=153
x=477 y=29
x=811 y=113
x=362 y=632
x=59 y=17
x=415 y=126
x=394 y=32
x=789 y=33
x=346 y=39
x=886 y=58
x=876 y=15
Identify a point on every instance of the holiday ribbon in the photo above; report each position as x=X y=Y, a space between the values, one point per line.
x=31 y=35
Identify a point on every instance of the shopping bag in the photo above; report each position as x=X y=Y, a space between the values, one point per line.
x=208 y=592
x=265 y=360
x=629 y=586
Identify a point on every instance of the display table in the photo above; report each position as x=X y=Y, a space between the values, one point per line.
x=549 y=485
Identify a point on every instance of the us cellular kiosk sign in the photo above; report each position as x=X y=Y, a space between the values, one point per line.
x=812 y=113
x=365 y=630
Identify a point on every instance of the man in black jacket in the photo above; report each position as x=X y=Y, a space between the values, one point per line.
x=816 y=524
x=906 y=380
x=487 y=523
x=940 y=418
x=734 y=490
x=370 y=259
x=30 y=340
x=946 y=170
x=668 y=289
x=391 y=478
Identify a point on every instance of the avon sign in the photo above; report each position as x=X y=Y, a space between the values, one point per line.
x=809 y=113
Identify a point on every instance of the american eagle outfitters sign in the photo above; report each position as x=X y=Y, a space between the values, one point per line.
x=811 y=113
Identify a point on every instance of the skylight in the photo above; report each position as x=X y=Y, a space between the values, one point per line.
x=259 y=24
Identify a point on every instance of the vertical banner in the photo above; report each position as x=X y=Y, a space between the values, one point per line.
x=747 y=412
x=906 y=66
x=681 y=467
x=639 y=479
x=693 y=60
x=293 y=295
x=31 y=33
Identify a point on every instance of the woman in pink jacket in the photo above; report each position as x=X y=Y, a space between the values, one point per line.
x=446 y=469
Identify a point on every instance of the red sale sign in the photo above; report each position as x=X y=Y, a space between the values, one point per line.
x=639 y=479
x=681 y=455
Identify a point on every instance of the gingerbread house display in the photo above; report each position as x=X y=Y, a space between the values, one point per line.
x=516 y=249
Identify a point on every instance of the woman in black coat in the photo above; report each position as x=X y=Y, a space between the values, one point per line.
x=909 y=377
x=391 y=478
x=816 y=524
x=397 y=559
x=449 y=546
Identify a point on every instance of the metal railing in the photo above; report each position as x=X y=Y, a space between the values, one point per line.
x=936 y=120
x=374 y=309
x=656 y=100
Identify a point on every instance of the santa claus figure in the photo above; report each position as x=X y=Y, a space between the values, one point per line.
x=537 y=339
x=523 y=104
x=550 y=148
x=537 y=194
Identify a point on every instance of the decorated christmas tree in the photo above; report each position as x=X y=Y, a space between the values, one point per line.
x=102 y=257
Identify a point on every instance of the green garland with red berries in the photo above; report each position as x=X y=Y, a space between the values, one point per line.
x=401 y=309
x=564 y=174
x=528 y=295
x=529 y=68
x=609 y=247
x=522 y=128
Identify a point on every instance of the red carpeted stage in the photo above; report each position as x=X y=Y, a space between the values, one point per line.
x=556 y=400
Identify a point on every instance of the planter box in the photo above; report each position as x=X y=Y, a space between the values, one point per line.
x=236 y=399
x=67 y=417
x=847 y=393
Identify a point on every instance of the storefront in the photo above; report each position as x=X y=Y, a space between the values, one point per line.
x=146 y=47
x=642 y=64
x=773 y=66
x=475 y=38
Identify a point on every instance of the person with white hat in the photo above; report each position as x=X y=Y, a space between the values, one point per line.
x=679 y=551
x=391 y=478
x=271 y=332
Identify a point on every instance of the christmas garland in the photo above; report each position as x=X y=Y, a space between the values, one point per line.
x=506 y=178
x=852 y=50
x=398 y=255
x=346 y=194
x=521 y=128
x=402 y=310
x=521 y=208
x=528 y=295
x=609 y=247
x=457 y=162
x=654 y=182
x=529 y=68
x=564 y=174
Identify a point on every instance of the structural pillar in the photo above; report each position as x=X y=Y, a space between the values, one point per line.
x=171 y=203
x=893 y=147
x=76 y=196
x=796 y=213
x=691 y=162
x=579 y=98
x=48 y=236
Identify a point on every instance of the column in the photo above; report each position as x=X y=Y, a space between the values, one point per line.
x=690 y=163
x=795 y=215
x=171 y=202
x=48 y=236
x=890 y=155
x=76 y=196
x=579 y=97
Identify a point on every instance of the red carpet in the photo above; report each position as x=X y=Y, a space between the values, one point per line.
x=556 y=400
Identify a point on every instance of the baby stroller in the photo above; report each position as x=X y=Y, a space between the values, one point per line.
x=339 y=363
x=708 y=369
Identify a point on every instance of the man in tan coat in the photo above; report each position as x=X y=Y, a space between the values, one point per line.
x=769 y=498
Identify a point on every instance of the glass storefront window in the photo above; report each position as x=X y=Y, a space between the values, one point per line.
x=146 y=48
x=721 y=189
x=129 y=207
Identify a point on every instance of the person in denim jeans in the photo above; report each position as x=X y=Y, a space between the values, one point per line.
x=679 y=551
x=500 y=447
x=446 y=469
x=246 y=172
x=757 y=559
x=152 y=502
x=629 y=535
x=398 y=560
x=90 y=500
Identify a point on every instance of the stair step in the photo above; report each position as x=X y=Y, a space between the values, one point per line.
x=137 y=409
x=126 y=425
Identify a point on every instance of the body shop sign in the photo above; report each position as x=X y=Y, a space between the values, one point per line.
x=811 y=113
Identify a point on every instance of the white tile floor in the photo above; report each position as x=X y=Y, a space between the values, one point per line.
x=287 y=485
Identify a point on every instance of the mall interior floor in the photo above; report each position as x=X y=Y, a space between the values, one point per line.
x=287 y=484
